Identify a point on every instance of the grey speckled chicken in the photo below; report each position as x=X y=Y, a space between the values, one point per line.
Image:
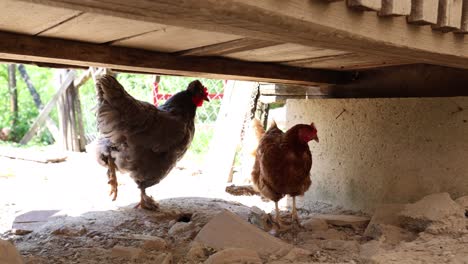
x=142 y=139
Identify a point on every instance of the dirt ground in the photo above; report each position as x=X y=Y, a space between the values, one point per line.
x=73 y=220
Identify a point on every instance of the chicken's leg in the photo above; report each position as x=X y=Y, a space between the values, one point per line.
x=112 y=178
x=278 y=222
x=147 y=202
x=295 y=217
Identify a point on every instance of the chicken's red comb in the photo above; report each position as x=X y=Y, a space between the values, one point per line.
x=205 y=91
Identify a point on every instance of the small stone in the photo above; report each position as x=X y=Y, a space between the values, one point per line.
x=196 y=251
x=325 y=235
x=463 y=201
x=391 y=234
x=315 y=224
x=9 y=254
x=340 y=245
x=261 y=219
x=156 y=243
x=71 y=232
x=298 y=254
x=126 y=252
x=233 y=256
x=21 y=232
x=370 y=249
x=179 y=227
x=344 y=220
x=168 y=259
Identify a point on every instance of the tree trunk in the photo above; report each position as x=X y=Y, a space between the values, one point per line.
x=51 y=126
x=32 y=90
x=13 y=94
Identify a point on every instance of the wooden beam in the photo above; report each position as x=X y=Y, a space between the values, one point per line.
x=420 y=80
x=450 y=13
x=423 y=12
x=395 y=8
x=229 y=47
x=22 y=47
x=365 y=5
x=46 y=110
x=310 y=23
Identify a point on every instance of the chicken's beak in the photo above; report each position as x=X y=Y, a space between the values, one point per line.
x=206 y=99
x=316 y=138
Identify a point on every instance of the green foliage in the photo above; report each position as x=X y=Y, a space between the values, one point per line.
x=27 y=111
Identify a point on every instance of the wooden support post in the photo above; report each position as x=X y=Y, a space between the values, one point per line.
x=423 y=12
x=45 y=112
x=395 y=8
x=464 y=21
x=450 y=15
x=365 y=5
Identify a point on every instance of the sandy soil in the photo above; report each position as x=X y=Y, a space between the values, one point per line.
x=87 y=227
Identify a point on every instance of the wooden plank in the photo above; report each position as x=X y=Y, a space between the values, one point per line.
x=423 y=12
x=46 y=110
x=283 y=52
x=21 y=47
x=42 y=156
x=282 y=89
x=238 y=45
x=450 y=14
x=464 y=22
x=395 y=8
x=365 y=5
x=31 y=18
x=310 y=23
x=97 y=28
x=227 y=137
x=347 y=61
x=172 y=39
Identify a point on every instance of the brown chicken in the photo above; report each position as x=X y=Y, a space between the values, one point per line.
x=142 y=139
x=283 y=162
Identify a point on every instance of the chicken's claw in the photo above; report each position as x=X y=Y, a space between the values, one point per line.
x=112 y=179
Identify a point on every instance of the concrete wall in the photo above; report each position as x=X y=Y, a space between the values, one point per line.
x=385 y=150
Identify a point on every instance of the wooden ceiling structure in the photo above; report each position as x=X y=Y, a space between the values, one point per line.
x=305 y=42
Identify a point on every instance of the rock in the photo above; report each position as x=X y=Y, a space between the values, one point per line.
x=69 y=231
x=261 y=219
x=315 y=224
x=126 y=252
x=167 y=259
x=20 y=232
x=180 y=227
x=325 y=235
x=298 y=254
x=370 y=249
x=333 y=244
x=155 y=243
x=196 y=251
x=387 y=214
x=344 y=220
x=227 y=230
x=234 y=256
x=389 y=234
x=463 y=201
x=9 y=254
x=435 y=213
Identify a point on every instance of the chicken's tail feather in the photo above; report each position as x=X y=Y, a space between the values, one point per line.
x=110 y=90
